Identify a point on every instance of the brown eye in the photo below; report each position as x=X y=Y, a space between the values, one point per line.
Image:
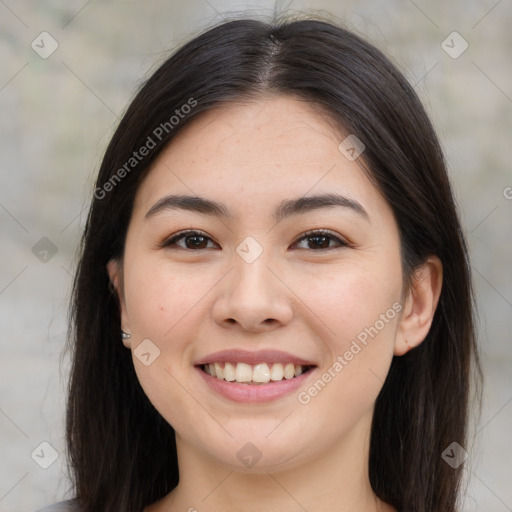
x=318 y=240
x=192 y=240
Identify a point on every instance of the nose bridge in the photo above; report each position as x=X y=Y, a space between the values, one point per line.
x=254 y=276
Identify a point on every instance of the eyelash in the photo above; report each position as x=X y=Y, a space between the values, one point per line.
x=308 y=234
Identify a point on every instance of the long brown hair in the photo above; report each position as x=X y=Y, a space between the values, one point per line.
x=122 y=453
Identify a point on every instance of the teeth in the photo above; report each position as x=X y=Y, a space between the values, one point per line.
x=257 y=374
x=219 y=371
x=277 y=373
x=289 y=371
x=229 y=372
x=243 y=372
x=261 y=373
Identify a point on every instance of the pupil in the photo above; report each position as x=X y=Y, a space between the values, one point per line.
x=197 y=242
x=320 y=241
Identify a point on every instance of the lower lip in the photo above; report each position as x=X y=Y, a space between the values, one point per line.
x=247 y=393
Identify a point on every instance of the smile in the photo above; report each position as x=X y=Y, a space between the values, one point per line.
x=257 y=374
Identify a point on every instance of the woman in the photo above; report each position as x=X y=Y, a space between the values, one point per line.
x=273 y=306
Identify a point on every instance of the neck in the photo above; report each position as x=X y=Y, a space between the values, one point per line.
x=334 y=481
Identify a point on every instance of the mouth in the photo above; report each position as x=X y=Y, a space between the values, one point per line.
x=254 y=377
x=254 y=374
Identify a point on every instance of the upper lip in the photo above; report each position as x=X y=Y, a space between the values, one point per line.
x=252 y=358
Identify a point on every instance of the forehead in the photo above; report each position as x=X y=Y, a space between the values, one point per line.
x=275 y=147
x=269 y=114
x=277 y=124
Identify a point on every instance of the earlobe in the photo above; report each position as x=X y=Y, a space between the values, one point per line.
x=115 y=274
x=419 y=305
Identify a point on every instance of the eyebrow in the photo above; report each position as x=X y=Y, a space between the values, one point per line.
x=285 y=209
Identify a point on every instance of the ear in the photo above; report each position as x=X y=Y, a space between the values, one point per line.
x=115 y=273
x=420 y=304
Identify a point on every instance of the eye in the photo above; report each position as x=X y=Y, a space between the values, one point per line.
x=194 y=240
x=320 y=240
x=190 y=240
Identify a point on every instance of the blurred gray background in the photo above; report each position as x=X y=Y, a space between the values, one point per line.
x=58 y=111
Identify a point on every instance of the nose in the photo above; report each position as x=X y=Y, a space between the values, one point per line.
x=253 y=298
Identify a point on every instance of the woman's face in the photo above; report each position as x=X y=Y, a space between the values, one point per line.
x=290 y=256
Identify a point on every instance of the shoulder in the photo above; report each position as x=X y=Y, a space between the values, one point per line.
x=62 y=506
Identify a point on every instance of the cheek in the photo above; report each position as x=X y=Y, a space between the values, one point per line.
x=358 y=305
x=360 y=354
x=159 y=297
x=349 y=299
x=164 y=306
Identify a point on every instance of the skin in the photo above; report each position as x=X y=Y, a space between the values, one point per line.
x=296 y=297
